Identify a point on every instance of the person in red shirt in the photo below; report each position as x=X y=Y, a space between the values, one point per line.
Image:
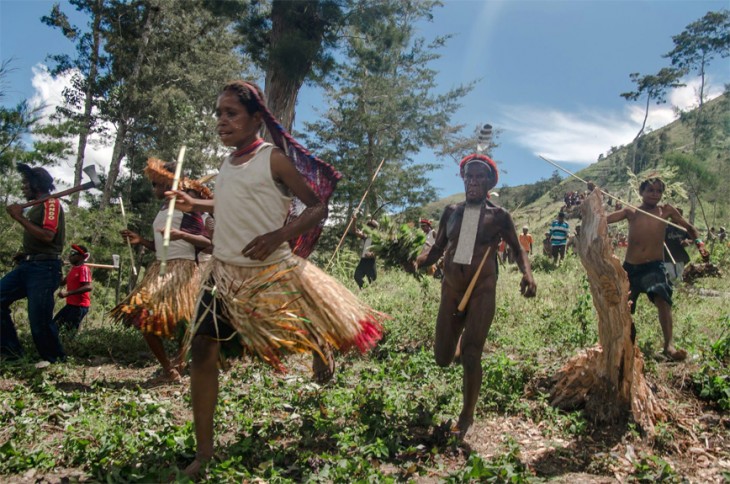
x=78 y=291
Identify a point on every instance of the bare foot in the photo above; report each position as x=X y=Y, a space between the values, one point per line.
x=675 y=354
x=462 y=427
x=196 y=469
x=168 y=376
x=323 y=371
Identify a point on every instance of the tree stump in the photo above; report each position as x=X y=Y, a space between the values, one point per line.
x=608 y=379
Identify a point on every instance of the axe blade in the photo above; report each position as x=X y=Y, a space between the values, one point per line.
x=93 y=177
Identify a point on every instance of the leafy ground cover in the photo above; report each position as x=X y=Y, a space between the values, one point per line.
x=386 y=416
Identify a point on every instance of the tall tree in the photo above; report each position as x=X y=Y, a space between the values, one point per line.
x=654 y=88
x=697 y=46
x=291 y=41
x=385 y=106
x=168 y=60
x=85 y=68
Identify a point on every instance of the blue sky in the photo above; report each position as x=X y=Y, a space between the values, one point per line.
x=550 y=73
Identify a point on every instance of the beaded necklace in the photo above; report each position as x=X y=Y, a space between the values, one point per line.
x=248 y=149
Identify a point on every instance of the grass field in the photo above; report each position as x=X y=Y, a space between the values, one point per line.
x=385 y=417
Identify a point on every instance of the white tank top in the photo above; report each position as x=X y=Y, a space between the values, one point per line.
x=248 y=203
x=178 y=249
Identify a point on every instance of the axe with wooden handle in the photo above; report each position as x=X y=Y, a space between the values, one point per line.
x=94 y=181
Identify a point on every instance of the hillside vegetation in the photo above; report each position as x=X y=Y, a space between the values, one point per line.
x=536 y=204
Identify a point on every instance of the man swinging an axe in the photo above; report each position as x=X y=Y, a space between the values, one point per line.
x=468 y=235
x=38 y=271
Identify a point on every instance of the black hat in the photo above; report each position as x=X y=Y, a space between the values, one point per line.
x=38 y=178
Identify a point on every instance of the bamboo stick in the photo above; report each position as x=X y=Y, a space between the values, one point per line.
x=170 y=210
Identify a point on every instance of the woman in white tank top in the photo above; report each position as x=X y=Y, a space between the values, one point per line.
x=274 y=301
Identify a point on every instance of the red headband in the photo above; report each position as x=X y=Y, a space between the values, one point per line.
x=481 y=159
x=425 y=221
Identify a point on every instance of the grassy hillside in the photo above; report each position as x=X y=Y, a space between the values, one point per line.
x=531 y=204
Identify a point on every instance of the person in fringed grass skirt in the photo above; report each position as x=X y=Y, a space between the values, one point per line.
x=258 y=289
x=159 y=303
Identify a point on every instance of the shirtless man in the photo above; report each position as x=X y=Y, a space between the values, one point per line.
x=489 y=224
x=644 y=261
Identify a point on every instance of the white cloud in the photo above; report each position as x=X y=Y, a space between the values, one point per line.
x=49 y=95
x=580 y=137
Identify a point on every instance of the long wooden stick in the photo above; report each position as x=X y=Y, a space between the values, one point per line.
x=129 y=244
x=473 y=282
x=615 y=198
x=170 y=210
x=354 y=214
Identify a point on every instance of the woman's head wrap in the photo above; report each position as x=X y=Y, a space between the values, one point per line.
x=162 y=172
x=320 y=176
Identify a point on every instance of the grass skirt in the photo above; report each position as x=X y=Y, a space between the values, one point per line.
x=158 y=303
x=292 y=306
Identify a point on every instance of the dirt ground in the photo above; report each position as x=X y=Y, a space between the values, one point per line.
x=698 y=449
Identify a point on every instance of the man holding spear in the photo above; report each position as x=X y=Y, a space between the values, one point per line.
x=644 y=261
x=645 y=253
x=468 y=234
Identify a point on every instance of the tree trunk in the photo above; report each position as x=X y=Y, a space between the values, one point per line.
x=282 y=81
x=608 y=379
x=88 y=100
x=120 y=148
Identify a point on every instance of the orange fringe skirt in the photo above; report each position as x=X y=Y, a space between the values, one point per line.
x=158 y=303
x=292 y=306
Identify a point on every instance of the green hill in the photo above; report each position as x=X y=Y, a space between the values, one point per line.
x=536 y=204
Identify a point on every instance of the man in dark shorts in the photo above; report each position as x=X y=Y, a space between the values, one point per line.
x=559 y=237
x=644 y=262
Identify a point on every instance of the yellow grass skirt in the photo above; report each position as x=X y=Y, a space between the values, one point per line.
x=292 y=306
x=158 y=303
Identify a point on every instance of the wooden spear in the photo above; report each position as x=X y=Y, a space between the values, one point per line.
x=615 y=198
x=170 y=210
x=354 y=214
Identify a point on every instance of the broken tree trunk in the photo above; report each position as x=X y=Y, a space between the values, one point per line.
x=607 y=380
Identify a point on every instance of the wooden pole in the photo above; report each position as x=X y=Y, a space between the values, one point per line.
x=129 y=244
x=472 y=283
x=170 y=210
x=352 y=219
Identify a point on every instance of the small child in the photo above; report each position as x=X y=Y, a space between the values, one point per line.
x=78 y=291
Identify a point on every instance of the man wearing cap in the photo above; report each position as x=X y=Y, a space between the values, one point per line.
x=78 y=290
x=559 y=237
x=468 y=230
x=38 y=271
x=526 y=241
